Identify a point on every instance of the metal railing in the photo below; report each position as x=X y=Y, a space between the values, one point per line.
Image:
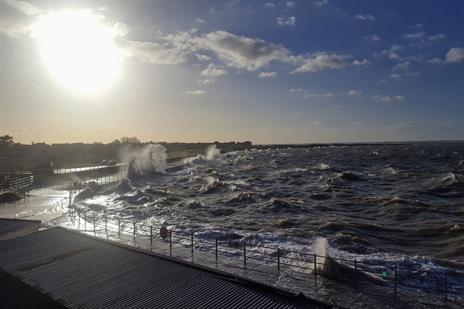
x=74 y=187
x=59 y=171
x=397 y=282
x=19 y=184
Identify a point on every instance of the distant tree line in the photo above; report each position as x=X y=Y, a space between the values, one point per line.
x=6 y=141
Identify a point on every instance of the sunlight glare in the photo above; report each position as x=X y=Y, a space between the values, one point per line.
x=79 y=49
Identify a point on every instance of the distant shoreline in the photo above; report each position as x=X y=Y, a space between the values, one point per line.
x=360 y=143
x=21 y=156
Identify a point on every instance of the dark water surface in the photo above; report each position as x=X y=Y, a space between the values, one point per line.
x=394 y=202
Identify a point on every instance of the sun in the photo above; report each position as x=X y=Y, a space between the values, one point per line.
x=79 y=49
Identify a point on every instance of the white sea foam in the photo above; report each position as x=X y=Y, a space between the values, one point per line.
x=211 y=153
x=148 y=160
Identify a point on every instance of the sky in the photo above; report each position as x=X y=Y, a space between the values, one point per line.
x=203 y=71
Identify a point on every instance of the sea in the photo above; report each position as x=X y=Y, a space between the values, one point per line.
x=383 y=199
x=401 y=203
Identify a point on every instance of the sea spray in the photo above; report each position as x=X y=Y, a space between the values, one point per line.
x=321 y=249
x=330 y=268
x=212 y=152
x=148 y=160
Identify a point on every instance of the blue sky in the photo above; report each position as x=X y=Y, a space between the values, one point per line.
x=266 y=71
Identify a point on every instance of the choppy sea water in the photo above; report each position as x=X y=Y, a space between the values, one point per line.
x=392 y=202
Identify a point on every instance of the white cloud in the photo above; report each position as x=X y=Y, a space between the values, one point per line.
x=414 y=36
x=14 y=29
x=290 y=4
x=234 y=51
x=455 y=54
x=286 y=21
x=269 y=5
x=167 y=49
x=202 y=57
x=399 y=76
x=402 y=66
x=318 y=95
x=372 y=37
x=206 y=81
x=213 y=71
x=353 y=92
x=389 y=99
x=320 y=3
x=362 y=63
x=200 y=20
x=416 y=27
x=310 y=93
x=437 y=37
x=367 y=17
x=242 y=52
x=154 y=53
x=196 y=92
x=267 y=74
x=24 y=7
x=393 y=52
x=435 y=61
x=17 y=17
x=322 y=61
x=421 y=39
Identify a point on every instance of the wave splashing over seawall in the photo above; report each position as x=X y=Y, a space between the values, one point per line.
x=150 y=159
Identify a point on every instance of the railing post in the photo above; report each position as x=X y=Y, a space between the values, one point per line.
x=244 y=255
x=106 y=226
x=151 y=236
x=396 y=281
x=216 y=250
x=170 y=242
x=70 y=195
x=191 y=243
x=315 y=269
x=94 y=229
x=79 y=221
x=119 y=227
x=85 y=221
x=446 y=287
x=133 y=230
x=278 y=259
x=355 y=264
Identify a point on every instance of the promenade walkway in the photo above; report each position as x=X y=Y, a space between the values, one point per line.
x=79 y=271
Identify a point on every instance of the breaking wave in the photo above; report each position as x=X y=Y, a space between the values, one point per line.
x=146 y=161
x=211 y=153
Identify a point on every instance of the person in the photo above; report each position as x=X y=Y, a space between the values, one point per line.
x=163 y=232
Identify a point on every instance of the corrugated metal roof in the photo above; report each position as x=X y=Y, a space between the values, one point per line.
x=83 y=272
